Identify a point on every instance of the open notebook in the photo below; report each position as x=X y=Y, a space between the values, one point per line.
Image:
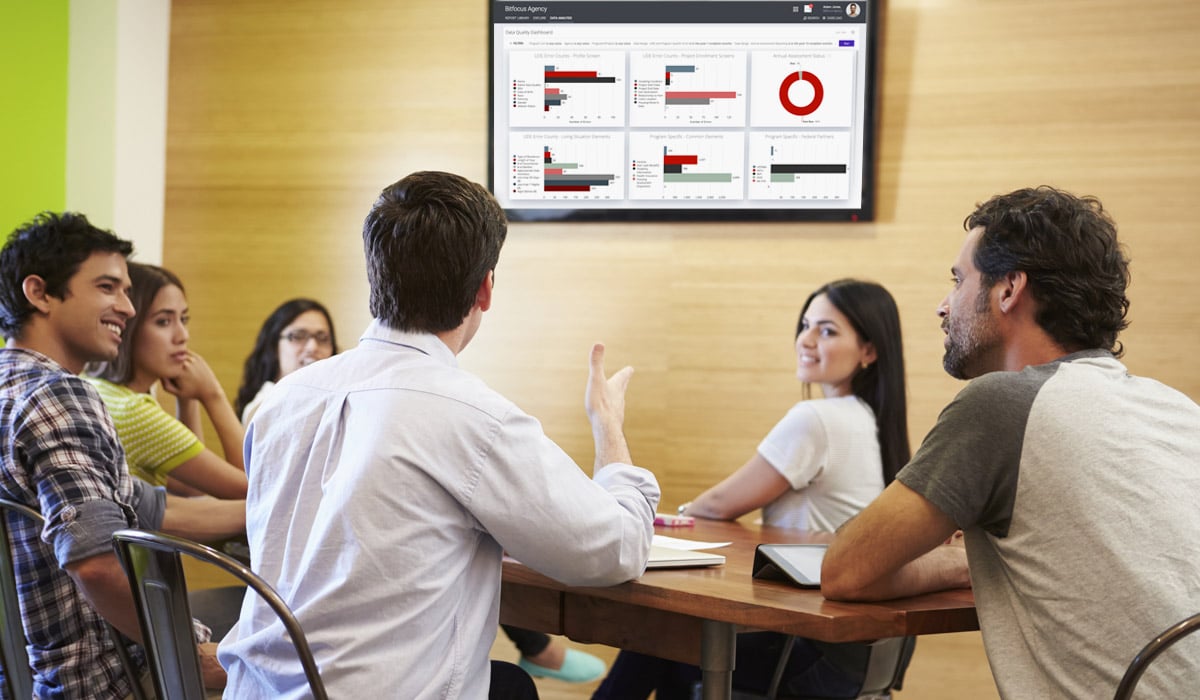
x=673 y=552
x=670 y=558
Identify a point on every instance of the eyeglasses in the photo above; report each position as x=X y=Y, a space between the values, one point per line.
x=302 y=337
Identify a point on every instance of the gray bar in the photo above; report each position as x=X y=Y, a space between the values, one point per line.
x=576 y=179
x=808 y=168
x=697 y=177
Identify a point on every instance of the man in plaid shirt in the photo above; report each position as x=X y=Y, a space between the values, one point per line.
x=63 y=303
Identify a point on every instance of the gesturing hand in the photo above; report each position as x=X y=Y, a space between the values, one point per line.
x=605 y=404
x=605 y=396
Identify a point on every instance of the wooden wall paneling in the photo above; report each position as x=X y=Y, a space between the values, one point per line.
x=285 y=120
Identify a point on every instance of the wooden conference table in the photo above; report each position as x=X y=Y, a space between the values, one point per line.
x=693 y=615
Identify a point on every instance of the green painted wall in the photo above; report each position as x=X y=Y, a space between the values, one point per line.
x=33 y=108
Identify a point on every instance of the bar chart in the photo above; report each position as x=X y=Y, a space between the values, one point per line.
x=687 y=89
x=678 y=166
x=811 y=88
x=811 y=165
x=567 y=89
x=576 y=165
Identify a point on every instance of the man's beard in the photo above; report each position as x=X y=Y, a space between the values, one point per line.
x=970 y=340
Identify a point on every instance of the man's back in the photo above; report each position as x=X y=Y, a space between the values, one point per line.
x=384 y=484
x=46 y=416
x=1092 y=480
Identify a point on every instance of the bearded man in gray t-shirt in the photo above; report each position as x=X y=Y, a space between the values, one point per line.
x=1075 y=483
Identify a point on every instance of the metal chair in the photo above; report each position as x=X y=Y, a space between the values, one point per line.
x=1158 y=645
x=885 y=670
x=18 y=677
x=152 y=562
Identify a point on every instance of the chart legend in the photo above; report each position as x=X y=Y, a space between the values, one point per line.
x=566 y=166
x=693 y=166
x=577 y=89
x=688 y=89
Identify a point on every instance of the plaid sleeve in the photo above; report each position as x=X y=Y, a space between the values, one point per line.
x=78 y=469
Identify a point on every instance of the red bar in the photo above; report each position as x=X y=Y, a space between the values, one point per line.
x=680 y=160
x=566 y=188
x=553 y=171
x=695 y=95
x=668 y=77
x=552 y=91
x=571 y=74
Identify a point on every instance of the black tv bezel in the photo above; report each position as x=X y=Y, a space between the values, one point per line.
x=873 y=11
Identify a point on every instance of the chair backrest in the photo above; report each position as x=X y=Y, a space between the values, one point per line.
x=18 y=678
x=885 y=669
x=152 y=562
x=1158 y=645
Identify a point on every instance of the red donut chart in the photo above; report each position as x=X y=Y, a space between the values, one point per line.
x=818 y=93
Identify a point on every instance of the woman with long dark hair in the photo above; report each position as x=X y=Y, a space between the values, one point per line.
x=160 y=448
x=828 y=458
x=819 y=466
x=297 y=333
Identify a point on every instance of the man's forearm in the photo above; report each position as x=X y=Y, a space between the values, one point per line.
x=610 y=444
x=939 y=569
x=105 y=587
x=204 y=519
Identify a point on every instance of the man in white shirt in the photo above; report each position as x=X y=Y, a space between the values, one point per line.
x=386 y=482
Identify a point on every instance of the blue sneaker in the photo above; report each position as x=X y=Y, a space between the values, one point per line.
x=577 y=667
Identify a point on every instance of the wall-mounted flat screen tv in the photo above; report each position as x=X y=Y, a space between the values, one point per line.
x=684 y=109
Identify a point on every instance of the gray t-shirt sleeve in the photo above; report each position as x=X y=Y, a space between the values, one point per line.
x=969 y=463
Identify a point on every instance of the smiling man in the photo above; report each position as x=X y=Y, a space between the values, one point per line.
x=1074 y=482
x=64 y=302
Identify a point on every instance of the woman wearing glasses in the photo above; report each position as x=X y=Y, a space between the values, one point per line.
x=159 y=448
x=296 y=334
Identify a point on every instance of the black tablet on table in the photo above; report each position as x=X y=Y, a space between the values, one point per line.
x=799 y=564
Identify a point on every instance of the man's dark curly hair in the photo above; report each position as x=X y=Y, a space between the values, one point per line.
x=52 y=246
x=1067 y=247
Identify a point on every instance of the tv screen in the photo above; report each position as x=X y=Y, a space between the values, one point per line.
x=684 y=109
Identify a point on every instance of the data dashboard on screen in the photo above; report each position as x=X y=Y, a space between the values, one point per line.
x=683 y=109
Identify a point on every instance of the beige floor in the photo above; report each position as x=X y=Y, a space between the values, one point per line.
x=945 y=666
